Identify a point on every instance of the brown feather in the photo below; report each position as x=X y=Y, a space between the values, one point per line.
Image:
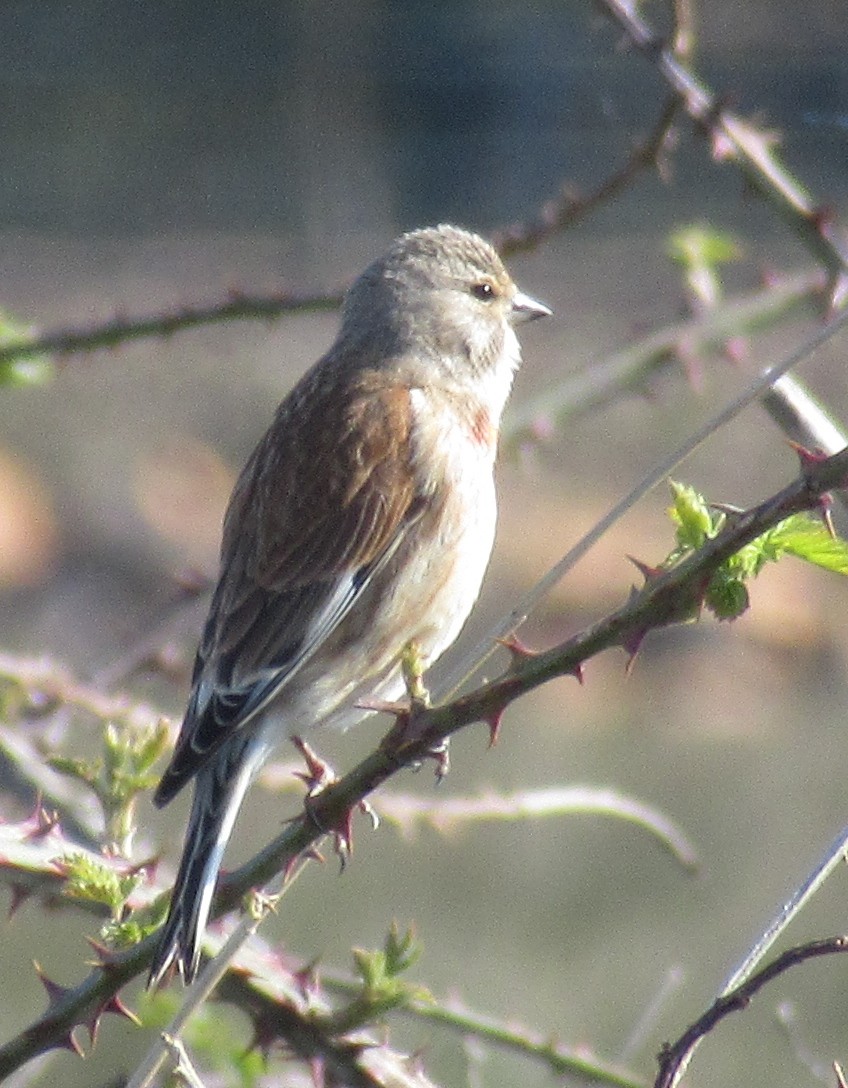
x=305 y=513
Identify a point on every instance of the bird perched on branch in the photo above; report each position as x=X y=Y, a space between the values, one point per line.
x=361 y=525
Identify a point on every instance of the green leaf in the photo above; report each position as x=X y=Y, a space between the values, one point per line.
x=807 y=538
x=726 y=596
x=701 y=251
x=694 y=520
x=29 y=370
x=699 y=245
x=383 y=988
x=96 y=882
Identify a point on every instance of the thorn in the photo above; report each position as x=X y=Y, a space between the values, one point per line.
x=516 y=648
x=838 y=293
x=111 y=1004
x=825 y=508
x=632 y=644
x=306 y=979
x=141 y=868
x=20 y=893
x=543 y=428
x=68 y=1042
x=441 y=754
x=318 y=775
x=105 y=956
x=191 y=581
x=494 y=723
x=693 y=367
x=649 y=573
x=811 y=458
x=317 y=1070
x=770 y=276
x=808 y=458
x=311 y=854
x=55 y=992
x=343 y=839
x=265 y=1035
x=722 y=147
x=42 y=821
x=823 y=219
x=736 y=349
x=367 y=809
x=579 y=673
x=728 y=509
x=383 y=706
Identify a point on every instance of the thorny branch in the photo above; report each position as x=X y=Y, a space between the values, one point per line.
x=669 y=598
x=118 y=331
x=673 y=1057
x=554 y=216
x=741 y=142
x=248 y=992
x=569 y=207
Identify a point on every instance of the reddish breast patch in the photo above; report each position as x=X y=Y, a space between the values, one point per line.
x=483 y=431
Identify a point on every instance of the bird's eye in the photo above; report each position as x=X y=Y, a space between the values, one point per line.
x=484 y=291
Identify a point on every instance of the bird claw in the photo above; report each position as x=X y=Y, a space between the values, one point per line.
x=440 y=754
x=404 y=732
x=317 y=776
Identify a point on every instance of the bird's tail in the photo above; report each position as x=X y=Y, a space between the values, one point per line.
x=219 y=789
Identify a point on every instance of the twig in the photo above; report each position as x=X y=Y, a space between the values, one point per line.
x=448 y=814
x=468 y=665
x=554 y=216
x=117 y=332
x=182 y=1065
x=568 y=208
x=673 y=1057
x=251 y=992
x=736 y=140
x=664 y=600
x=212 y=973
x=835 y=855
x=29 y=778
x=176 y=615
x=631 y=369
x=46 y=683
x=801 y=417
x=346 y=1061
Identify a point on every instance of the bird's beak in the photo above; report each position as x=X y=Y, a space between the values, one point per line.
x=525 y=308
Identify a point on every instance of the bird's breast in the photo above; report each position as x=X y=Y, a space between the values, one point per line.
x=425 y=592
x=454 y=451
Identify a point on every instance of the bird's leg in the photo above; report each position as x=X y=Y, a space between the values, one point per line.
x=405 y=729
x=412 y=669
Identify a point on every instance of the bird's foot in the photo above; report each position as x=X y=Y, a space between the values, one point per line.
x=406 y=731
x=318 y=776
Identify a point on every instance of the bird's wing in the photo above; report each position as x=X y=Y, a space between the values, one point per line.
x=322 y=504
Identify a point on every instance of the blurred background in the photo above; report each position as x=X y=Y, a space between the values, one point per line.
x=162 y=155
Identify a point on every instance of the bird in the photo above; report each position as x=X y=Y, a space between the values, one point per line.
x=361 y=525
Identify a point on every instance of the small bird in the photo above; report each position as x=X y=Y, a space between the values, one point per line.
x=362 y=525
